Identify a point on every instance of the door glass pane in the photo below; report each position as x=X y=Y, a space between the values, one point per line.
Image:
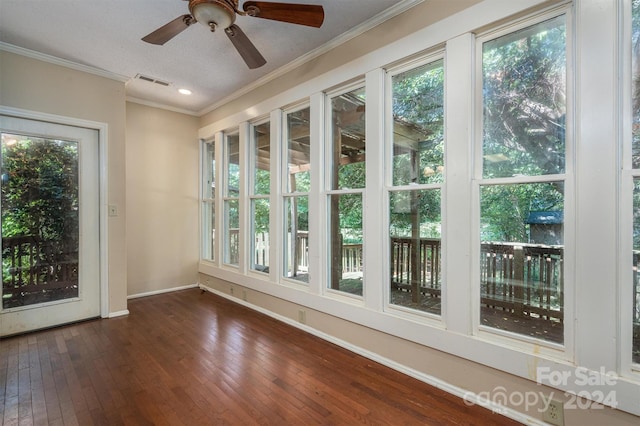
x=296 y=238
x=348 y=136
x=418 y=125
x=524 y=101
x=522 y=255
x=415 y=233
x=345 y=216
x=40 y=220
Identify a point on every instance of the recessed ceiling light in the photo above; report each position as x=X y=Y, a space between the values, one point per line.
x=184 y=91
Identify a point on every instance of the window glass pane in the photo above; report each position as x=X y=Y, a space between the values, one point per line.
x=298 y=154
x=524 y=101
x=260 y=232
x=296 y=238
x=348 y=136
x=208 y=194
x=232 y=157
x=635 y=58
x=345 y=218
x=209 y=226
x=415 y=232
x=418 y=125
x=232 y=228
x=261 y=159
x=521 y=264
x=636 y=271
x=208 y=171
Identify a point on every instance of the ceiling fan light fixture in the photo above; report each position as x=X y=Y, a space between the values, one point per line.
x=212 y=13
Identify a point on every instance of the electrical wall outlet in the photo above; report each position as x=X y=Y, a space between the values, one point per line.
x=302 y=316
x=554 y=413
x=231 y=290
x=244 y=295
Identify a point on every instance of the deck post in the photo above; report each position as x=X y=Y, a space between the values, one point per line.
x=518 y=280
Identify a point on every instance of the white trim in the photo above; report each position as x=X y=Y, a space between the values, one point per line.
x=62 y=62
x=161 y=106
x=165 y=290
x=469 y=397
x=118 y=314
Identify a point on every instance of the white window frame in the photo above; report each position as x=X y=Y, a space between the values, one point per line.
x=627 y=175
x=226 y=198
x=495 y=335
x=207 y=202
x=286 y=194
x=328 y=192
x=252 y=196
x=392 y=71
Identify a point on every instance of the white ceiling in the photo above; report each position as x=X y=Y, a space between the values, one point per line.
x=105 y=35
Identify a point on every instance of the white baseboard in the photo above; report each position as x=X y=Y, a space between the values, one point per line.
x=118 y=314
x=166 y=290
x=469 y=397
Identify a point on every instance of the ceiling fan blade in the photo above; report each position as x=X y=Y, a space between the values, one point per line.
x=245 y=48
x=169 y=31
x=301 y=14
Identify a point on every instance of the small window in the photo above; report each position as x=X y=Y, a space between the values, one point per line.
x=346 y=165
x=259 y=196
x=231 y=204
x=208 y=200
x=297 y=184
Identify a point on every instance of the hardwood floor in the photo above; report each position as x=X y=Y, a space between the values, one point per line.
x=192 y=358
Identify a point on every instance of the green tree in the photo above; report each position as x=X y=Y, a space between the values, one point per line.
x=40 y=190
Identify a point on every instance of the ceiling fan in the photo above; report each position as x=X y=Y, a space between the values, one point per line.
x=222 y=14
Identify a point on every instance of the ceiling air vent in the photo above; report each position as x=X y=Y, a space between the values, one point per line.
x=152 y=80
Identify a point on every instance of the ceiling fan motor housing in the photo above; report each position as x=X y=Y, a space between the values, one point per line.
x=213 y=13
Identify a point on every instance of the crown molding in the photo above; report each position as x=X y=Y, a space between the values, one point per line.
x=387 y=14
x=62 y=62
x=161 y=106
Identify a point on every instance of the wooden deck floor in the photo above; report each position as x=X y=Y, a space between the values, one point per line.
x=192 y=358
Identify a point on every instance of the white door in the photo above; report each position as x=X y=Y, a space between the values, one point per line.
x=49 y=207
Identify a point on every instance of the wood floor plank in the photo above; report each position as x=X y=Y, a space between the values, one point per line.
x=193 y=358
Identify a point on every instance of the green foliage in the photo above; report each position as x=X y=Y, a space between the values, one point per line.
x=524 y=93
x=418 y=107
x=505 y=208
x=40 y=190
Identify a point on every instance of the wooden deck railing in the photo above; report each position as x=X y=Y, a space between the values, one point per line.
x=35 y=271
x=523 y=279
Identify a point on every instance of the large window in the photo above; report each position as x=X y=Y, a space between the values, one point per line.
x=208 y=201
x=522 y=195
x=635 y=160
x=346 y=160
x=231 y=200
x=417 y=122
x=297 y=184
x=260 y=188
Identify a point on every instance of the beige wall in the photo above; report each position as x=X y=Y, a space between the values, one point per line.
x=162 y=199
x=42 y=87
